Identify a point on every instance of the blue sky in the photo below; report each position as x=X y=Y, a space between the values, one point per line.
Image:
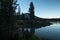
x=43 y=8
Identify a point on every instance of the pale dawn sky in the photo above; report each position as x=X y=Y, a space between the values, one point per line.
x=43 y=8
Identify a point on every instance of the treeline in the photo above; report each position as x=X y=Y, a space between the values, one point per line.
x=8 y=19
x=30 y=14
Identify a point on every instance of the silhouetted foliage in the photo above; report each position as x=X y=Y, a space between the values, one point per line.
x=31 y=10
x=7 y=18
x=18 y=13
x=23 y=16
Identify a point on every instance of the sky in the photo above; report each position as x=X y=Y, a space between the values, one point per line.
x=43 y=8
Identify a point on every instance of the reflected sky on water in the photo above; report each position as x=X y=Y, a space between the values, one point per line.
x=50 y=32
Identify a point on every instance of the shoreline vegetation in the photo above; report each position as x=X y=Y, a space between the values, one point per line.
x=30 y=36
x=32 y=24
x=11 y=22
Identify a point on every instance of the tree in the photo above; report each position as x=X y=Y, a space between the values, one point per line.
x=7 y=18
x=23 y=16
x=31 y=10
x=18 y=13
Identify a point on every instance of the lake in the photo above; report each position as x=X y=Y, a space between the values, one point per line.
x=51 y=32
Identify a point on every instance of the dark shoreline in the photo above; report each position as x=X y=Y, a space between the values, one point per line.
x=35 y=24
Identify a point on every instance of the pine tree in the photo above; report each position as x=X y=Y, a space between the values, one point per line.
x=7 y=18
x=31 y=10
x=18 y=13
x=23 y=16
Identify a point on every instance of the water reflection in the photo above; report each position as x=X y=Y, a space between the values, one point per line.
x=51 y=32
x=32 y=30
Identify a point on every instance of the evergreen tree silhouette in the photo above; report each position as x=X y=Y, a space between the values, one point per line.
x=7 y=18
x=22 y=16
x=31 y=10
x=18 y=13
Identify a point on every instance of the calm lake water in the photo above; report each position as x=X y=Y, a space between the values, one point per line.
x=51 y=32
